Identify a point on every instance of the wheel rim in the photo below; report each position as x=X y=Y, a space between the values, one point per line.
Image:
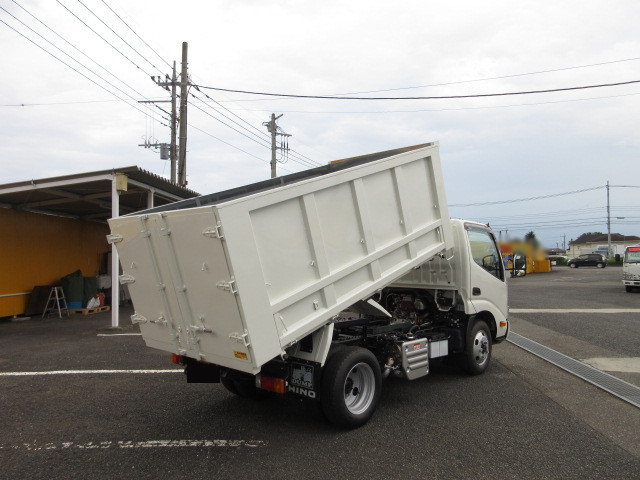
x=481 y=348
x=359 y=388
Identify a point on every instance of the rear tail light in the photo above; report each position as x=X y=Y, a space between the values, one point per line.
x=271 y=384
x=177 y=359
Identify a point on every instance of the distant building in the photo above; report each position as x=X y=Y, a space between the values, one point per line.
x=598 y=243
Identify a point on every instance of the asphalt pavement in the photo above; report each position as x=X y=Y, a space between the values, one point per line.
x=523 y=419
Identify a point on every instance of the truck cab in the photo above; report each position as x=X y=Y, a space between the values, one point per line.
x=631 y=268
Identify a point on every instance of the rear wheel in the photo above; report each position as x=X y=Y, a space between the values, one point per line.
x=229 y=384
x=600 y=265
x=243 y=387
x=351 y=386
x=478 y=348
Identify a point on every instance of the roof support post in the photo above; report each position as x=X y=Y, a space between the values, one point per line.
x=115 y=259
x=150 y=194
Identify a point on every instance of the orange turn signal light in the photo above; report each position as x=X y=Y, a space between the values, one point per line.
x=272 y=384
x=503 y=324
x=177 y=359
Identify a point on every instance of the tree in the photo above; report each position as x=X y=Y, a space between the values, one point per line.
x=532 y=239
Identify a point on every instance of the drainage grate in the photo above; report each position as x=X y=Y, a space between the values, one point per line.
x=621 y=389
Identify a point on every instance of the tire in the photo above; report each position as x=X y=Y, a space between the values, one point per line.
x=242 y=387
x=351 y=386
x=229 y=384
x=478 y=348
x=600 y=265
x=248 y=389
x=573 y=265
x=628 y=289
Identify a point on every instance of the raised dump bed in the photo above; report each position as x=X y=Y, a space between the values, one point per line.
x=236 y=277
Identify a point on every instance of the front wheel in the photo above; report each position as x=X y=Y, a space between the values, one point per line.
x=573 y=265
x=628 y=288
x=600 y=265
x=351 y=386
x=478 y=348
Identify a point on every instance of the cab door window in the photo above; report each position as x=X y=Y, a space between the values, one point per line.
x=485 y=251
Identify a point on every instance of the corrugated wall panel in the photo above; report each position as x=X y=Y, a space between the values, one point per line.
x=38 y=249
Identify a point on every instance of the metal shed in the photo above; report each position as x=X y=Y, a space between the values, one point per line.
x=37 y=215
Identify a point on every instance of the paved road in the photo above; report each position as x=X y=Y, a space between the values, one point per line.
x=523 y=418
x=592 y=333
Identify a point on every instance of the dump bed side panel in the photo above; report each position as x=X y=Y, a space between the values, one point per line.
x=181 y=286
x=304 y=252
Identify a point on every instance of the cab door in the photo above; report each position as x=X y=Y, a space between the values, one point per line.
x=487 y=274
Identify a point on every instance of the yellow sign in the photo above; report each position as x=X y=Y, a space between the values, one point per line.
x=240 y=355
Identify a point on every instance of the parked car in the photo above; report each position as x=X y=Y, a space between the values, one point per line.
x=588 y=260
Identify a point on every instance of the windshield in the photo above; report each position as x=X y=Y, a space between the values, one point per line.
x=632 y=255
x=485 y=252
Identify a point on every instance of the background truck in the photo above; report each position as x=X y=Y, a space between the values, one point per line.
x=631 y=268
x=318 y=284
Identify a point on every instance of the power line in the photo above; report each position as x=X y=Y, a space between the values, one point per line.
x=116 y=34
x=245 y=135
x=420 y=110
x=540 y=197
x=553 y=70
x=558 y=213
x=559 y=223
x=298 y=155
x=442 y=97
x=232 y=146
x=56 y=103
x=72 y=68
x=78 y=62
x=229 y=126
x=74 y=47
x=134 y=32
x=261 y=132
x=104 y=39
x=259 y=137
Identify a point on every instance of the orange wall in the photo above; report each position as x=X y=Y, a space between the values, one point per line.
x=38 y=249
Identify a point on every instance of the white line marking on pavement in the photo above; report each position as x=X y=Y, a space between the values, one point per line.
x=34 y=446
x=119 y=334
x=615 y=364
x=574 y=310
x=87 y=372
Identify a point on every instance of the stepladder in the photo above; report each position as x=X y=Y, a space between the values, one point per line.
x=56 y=303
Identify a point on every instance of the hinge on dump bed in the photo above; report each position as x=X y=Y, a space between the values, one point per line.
x=241 y=338
x=127 y=279
x=214 y=232
x=114 y=238
x=229 y=286
x=137 y=318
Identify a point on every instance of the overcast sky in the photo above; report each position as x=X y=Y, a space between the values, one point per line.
x=493 y=149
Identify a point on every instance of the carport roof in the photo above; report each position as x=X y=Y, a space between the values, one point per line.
x=88 y=195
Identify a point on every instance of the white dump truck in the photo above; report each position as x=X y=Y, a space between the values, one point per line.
x=318 y=284
x=631 y=268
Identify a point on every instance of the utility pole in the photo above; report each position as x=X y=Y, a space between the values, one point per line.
x=173 y=153
x=184 y=92
x=173 y=157
x=608 y=223
x=273 y=129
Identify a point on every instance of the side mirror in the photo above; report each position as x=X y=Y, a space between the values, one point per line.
x=489 y=262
